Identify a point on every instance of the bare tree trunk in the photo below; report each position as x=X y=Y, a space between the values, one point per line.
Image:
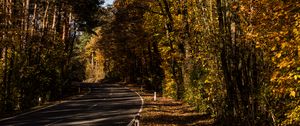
x=5 y=76
x=45 y=17
x=54 y=18
x=64 y=30
x=33 y=18
x=26 y=14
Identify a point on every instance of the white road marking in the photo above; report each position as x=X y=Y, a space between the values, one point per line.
x=132 y=121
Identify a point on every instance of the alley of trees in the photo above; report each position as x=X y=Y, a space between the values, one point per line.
x=238 y=60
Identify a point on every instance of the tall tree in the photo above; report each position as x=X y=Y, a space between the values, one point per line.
x=37 y=41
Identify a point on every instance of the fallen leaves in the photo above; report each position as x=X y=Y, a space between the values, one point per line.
x=169 y=112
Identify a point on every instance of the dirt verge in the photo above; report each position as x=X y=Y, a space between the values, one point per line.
x=168 y=112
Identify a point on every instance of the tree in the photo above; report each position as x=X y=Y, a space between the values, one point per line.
x=37 y=49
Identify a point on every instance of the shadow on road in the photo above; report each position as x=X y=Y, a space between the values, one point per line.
x=107 y=104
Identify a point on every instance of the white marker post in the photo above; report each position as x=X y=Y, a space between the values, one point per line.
x=40 y=100
x=154 y=96
x=137 y=120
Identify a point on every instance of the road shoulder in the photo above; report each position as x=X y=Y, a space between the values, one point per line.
x=167 y=111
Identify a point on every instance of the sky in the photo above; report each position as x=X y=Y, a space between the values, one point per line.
x=108 y=2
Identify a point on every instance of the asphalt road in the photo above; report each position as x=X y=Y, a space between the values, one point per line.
x=106 y=105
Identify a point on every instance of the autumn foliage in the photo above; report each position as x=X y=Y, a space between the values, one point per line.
x=237 y=60
x=38 y=56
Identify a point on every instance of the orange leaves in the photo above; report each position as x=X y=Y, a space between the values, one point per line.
x=285 y=63
x=242 y=8
x=275 y=76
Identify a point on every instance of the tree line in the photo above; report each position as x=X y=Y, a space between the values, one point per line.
x=235 y=59
x=38 y=55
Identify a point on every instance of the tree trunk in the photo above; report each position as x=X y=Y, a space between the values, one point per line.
x=33 y=18
x=176 y=68
x=187 y=66
x=45 y=17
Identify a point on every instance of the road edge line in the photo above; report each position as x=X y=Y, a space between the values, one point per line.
x=26 y=113
x=141 y=108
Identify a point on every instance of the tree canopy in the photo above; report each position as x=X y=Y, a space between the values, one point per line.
x=37 y=46
x=237 y=60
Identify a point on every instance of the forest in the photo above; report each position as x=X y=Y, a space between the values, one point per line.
x=238 y=60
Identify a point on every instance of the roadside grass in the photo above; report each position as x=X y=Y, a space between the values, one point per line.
x=169 y=112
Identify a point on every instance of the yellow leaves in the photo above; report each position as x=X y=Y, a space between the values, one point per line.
x=278 y=55
x=292 y=93
x=293 y=116
x=296 y=31
x=273 y=48
x=284 y=44
x=277 y=38
x=296 y=77
x=169 y=85
x=286 y=62
x=208 y=80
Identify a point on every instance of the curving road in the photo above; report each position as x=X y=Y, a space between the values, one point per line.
x=105 y=105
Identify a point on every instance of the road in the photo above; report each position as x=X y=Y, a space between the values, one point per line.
x=106 y=105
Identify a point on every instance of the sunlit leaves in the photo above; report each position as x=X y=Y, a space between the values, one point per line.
x=276 y=28
x=255 y=59
x=293 y=116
